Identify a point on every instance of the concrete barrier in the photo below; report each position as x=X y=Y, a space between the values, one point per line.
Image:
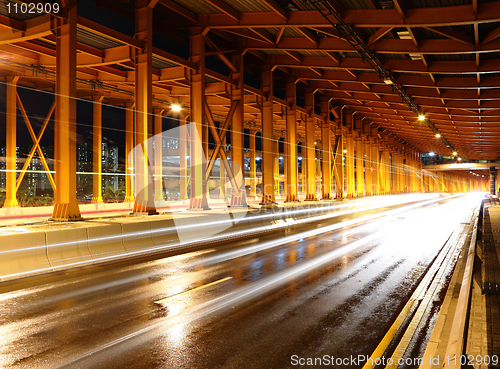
x=67 y=244
x=105 y=240
x=22 y=252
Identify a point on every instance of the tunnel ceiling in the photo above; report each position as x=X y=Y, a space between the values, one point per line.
x=444 y=55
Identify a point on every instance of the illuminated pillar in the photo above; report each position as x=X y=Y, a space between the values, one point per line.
x=158 y=152
x=253 y=166
x=326 y=152
x=339 y=164
x=368 y=167
x=375 y=168
x=97 y=150
x=144 y=200
x=66 y=206
x=310 y=148
x=11 y=166
x=129 y=145
x=237 y=134
x=198 y=199
x=183 y=153
x=291 y=142
x=267 y=137
x=351 y=190
x=360 y=174
x=276 y=174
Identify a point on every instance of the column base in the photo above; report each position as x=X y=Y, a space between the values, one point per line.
x=66 y=213
x=238 y=201
x=96 y=200
x=11 y=203
x=198 y=204
x=129 y=199
x=143 y=210
x=310 y=197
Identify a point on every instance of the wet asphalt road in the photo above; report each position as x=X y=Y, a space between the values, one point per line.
x=334 y=293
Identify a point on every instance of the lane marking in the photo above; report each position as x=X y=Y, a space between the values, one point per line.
x=194 y=289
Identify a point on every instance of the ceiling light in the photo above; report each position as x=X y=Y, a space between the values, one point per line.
x=454 y=153
x=438 y=135
x=175 y=107
x=388 y=81
x=431 y=154
x=421 y=117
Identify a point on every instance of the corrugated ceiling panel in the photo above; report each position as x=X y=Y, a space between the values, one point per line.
x=97 y=41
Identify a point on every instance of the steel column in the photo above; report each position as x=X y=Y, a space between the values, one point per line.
x=368 y=167
x=11 y=144
x=144 y=200
x=66 y=206
x=129 y=146
x=326 y=152
x=97 y=150
x=291 y=143
x=375 y=187
x=198 y=199
x=351 y=190
x=310 y=147
x=338 y=164
x=237 y=134
x=267 y=137
x=158 y=153
x=253 y=166
x=360 y=173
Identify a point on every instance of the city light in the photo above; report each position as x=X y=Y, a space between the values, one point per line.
x=175 y=107
x=431 y=154
x=345 y=151
x=459 y=159
x=454 y=153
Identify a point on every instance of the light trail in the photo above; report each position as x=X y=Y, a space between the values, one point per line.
x=243 y=294
x=394 y=200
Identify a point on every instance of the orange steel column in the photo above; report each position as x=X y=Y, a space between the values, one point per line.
x=238 y=134
x=97 y=150
x=360 y=173
x=291 y=142
x=310 y=148
x=276 y=175
x=253 y=166
x=144 y=201
x=129 y=145
x=375 y=168
x=368 y=166
x=326 y=152
x=198 y=199
x=349 y=162
x=158 y=151
x=66 y=206
x=339 y=164
x=384 y=171
x=11 y=120
x=183 y=145
x=267 y=137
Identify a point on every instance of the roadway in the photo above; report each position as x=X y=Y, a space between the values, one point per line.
x=333 y=288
